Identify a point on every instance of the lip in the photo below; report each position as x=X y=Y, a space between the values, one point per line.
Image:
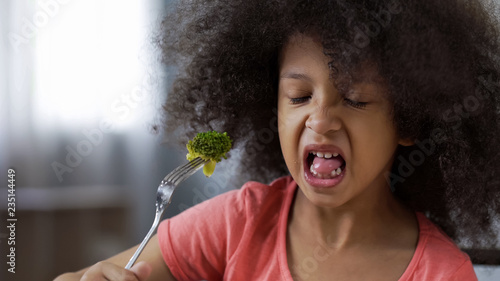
x=322 y=183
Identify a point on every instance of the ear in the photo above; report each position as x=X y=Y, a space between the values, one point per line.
x=406 y=142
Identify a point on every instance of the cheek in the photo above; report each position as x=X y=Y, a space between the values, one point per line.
x=284 y=132
x=375 y=141
x=281 y=128
x=289 y=126
x=285 y=121
x=289 y=139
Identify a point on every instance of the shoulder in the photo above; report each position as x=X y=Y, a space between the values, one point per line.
x=255 y=193
x=255 y=207
x=256 y=199
x=206 y=236
x=251 y=200
x=436 y=242
x=437 y=257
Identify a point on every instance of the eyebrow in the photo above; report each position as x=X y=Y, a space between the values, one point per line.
x=295 y=75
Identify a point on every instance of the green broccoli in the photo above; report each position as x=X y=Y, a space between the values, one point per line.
x=210 y=146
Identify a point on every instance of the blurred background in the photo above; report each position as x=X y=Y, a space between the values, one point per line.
x=81 y=85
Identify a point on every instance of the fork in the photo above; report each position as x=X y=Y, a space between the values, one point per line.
x=164 y=196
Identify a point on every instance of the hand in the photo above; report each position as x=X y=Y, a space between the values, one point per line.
x=109 y=271
x=151 y=267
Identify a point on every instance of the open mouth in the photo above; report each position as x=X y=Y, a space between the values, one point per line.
x=325 y=165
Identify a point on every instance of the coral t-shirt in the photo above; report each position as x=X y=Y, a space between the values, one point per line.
x=241 y=235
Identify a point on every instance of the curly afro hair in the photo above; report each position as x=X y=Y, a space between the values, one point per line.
x=439 y=58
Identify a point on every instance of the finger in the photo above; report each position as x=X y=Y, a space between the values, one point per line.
x=108 y=271
x=114 y=272
x=142 y=270
x=94 y=273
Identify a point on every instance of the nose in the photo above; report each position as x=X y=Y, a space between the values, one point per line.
x=324 y=120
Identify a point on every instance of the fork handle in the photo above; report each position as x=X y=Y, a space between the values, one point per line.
x=145 y=241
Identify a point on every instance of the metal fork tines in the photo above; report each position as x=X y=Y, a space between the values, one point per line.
x=164 y=196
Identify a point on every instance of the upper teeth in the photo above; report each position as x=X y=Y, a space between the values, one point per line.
x=325 y=155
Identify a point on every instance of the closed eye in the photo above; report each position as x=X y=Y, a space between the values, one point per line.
x=300 y=100
x=355 y=104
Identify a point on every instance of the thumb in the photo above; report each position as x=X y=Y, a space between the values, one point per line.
x=142 y=270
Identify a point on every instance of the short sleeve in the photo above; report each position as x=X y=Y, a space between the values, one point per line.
x=465 y=272
x=197 y=243
x=437 y=257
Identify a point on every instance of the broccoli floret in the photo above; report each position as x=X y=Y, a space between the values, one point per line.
x=210 y=146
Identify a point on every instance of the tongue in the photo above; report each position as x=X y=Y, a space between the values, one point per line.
x=326 y=166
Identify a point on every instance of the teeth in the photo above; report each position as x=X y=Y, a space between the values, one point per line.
x=324 y=155
x=312 y=170
x=333 y=174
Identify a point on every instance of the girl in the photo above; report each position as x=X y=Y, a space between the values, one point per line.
x=387 y=123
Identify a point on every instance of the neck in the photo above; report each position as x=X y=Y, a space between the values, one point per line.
x=359 y=222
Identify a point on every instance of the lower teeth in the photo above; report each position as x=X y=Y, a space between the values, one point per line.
x=332 y=175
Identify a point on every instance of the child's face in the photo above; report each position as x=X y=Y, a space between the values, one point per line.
x=314 y=117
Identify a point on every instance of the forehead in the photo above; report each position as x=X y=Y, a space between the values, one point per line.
x=303 y=53
x=302 y=49
x=302 y=58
